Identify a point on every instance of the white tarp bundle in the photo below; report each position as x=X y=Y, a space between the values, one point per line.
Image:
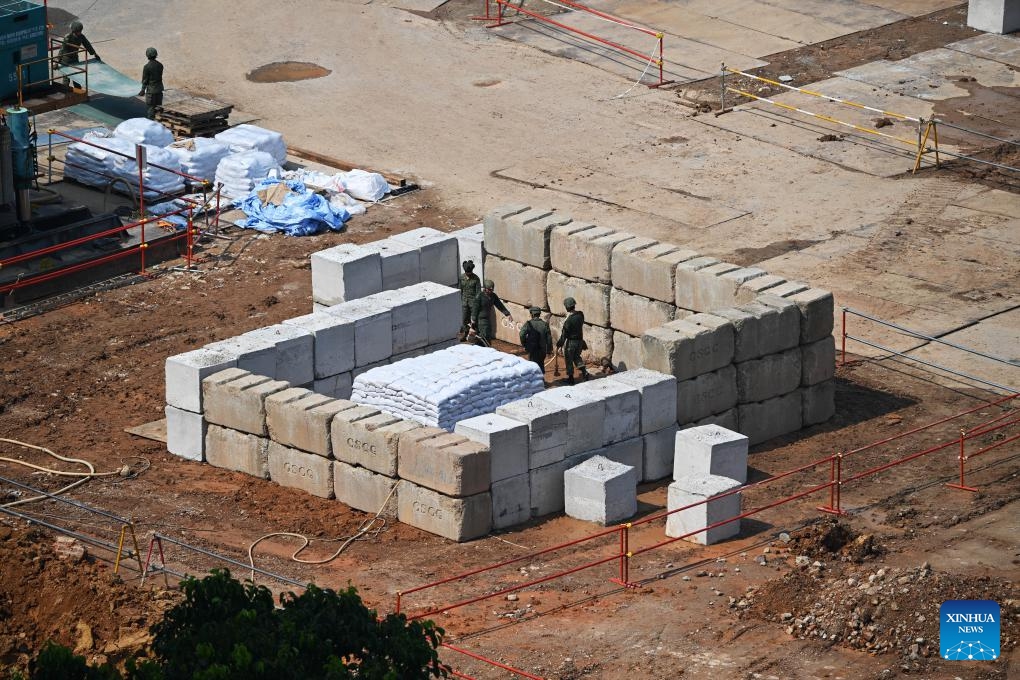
x=364 y=185
x=157 y=181
x=95 y=166
x=444 y=387
x=144 y=131
x=239 y=172
x=200 y=156
x=247 y=137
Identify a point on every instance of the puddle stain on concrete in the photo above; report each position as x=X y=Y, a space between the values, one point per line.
x=287 y=72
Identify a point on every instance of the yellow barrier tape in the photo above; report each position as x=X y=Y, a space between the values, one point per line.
x=911 y=142
x=835 y=100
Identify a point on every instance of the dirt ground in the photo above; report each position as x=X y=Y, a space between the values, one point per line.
x=75 y=377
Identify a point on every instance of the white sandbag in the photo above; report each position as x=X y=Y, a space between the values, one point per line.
x=157 y=181
x=96 y=165
x=144 y=131
x=247 y=137
x=199 y=157
x=365 y=186
x=238 y=172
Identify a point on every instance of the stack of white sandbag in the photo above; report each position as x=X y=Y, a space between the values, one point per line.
x=95 y=165
x=199 y=157
x=157 y=181
x=144 y=131
x=239 y=172
x=444 y=387
x=247 y=137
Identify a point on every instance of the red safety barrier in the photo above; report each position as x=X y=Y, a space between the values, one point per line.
x=503 y=5
x=491 y=662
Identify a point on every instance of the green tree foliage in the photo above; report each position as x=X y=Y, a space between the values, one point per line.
x=226 y=630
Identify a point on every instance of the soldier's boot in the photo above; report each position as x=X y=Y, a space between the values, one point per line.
x=585 y=374
x=570 y=380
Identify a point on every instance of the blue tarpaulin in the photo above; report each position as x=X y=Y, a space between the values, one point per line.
x=291 y=208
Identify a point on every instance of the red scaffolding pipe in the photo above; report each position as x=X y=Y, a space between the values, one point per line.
x=491 y=662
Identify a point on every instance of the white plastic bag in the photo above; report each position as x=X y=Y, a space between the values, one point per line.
x=365 y=186
x=144 y=131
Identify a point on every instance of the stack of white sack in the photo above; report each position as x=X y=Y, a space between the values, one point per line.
x=364 y=185
x=239 y=172
x=157 y=181
x=333 y=186
x=144 y=131
x=444 y=387
x=246 y=137
x=95 y=165
x=199 y=157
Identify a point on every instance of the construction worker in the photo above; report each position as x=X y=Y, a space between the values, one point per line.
x=536 y=338
x=483 y=318
x=152 y=84
x=73 y=44
x=470 y=287
x=572 y=342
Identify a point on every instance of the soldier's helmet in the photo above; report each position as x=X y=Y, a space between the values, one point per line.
x=488 y=284
x=76 y=26
x=535 y=311
x=151 y=53
x=468 y=265
x=569 y=303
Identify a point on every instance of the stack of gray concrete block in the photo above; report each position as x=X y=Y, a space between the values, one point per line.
x=471 y=246
x=708 y=461
x=601 y=490
x=350 y=271
x=323 y=351
x=750 y=351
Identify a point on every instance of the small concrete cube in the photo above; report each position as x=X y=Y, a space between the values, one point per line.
x=658 y=453
x=629 y=452
x=365 y=490
x=706 y=394
x=185 y=433
x=600 y=490
x=768 y=376
x=650 y=272
x=635 y=314
x=333 y=338
x=237 y=399
x=300 y=470
x=710 y=450
x=585 y=413
x=547 y=429
x=517 y=282
x=507 y=441
x=623 y=408
x=447 y=463
x=818 y=402
x=301 y=419
x=471 y=247
x=511 y=501
x=238 y=451
x=400 y=262
x=373 y=329
x=458 y=519
x=444 y=313
x=658 y=396
x=708 y=511
x=437 y=254
x=626 y=352
x=763 y=420
x=185 y=372
x=345 y=272
x=295 y=352
x=592 y=298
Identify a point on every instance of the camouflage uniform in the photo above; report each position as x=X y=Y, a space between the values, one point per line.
x=470 y=288
x=482 y=315
x=541 y=350
x=152 y=84
x=572 y=341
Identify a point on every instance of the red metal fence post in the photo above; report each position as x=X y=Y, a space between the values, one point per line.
x=835 y=481
x=842 y=361
x=962 y=456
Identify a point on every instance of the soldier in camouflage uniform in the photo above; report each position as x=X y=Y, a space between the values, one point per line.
x=536 y=338
x=572 y=341
x=470 y=287
x=152 y=84
x=483 y=318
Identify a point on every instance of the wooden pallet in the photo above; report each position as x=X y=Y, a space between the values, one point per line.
x=195 y=116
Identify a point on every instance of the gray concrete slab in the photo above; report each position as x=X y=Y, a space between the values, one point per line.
x=1002 y=48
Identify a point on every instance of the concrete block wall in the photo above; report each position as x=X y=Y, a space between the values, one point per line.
x=740 y=342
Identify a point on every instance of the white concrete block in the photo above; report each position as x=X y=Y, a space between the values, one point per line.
x=301 y=419
x=437 y=254
x=458 y=519
x=768 y=376
x=708 y=393
x=498 y=240
x=238 y=451
x=443 y=304
x=727 y=419
x=517 y=282
x=658 y=397
x=650 y=272
x=547 y=429
x=687 y=281
x=185 y=433
x=994 y=16
x=635 y=314
x=585 y=413
x=592 y=298
x=690 y=490
x=299 y=470
x=507 y=441
x=585 y=251
x=547 y=487
x=400 y=263
x=629 y=452
x=365 y=490
x=658 y=452
x=763 y=420
x=237 y=399
x=335 y=386
x=409 y=320
x=373 y=329
x=751 y=288
x=688 y=347
x=600 y=490
x=333 y=338
x=511 y=501
x=623 y=408
x=367 y=437
x=345 y=272
x=710 y=450
x=626 y=351
x=717 y=286
x=524 y=236
x=445 y=462
x=185 y=372
x=295 y=351
x=471 y=246
x=255 y=355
